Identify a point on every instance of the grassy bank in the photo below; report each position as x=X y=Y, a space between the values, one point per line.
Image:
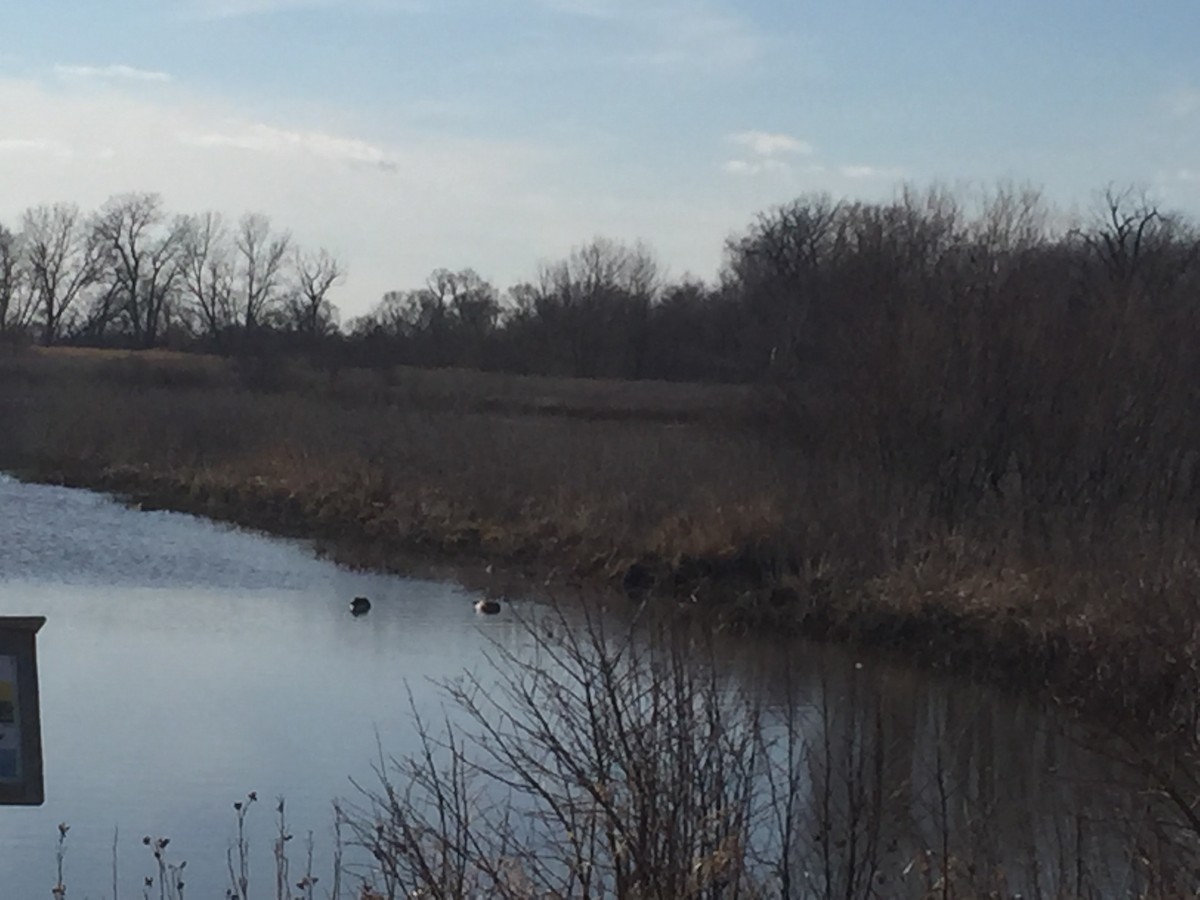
x=678 y=491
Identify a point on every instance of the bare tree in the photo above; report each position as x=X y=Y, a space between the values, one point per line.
x=208 y=273
x=471 y=302
x=144 y=260
x=643 y=278
x=467 y=297
x=447 y=322
x=472 y=311
x=1137 y=243
x=600 y=298
x=1121 y=229
x=63 y=262
x=16 y=298
x=779 y=268
x=260 y=258
x=316 y=274
x=388 y=317
x=1012 y=219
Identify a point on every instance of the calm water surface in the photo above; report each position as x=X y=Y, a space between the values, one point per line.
x=185 y=663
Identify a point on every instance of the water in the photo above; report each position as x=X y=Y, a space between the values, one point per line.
x=185 y=663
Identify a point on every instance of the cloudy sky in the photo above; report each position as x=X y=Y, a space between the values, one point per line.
x=410 y=134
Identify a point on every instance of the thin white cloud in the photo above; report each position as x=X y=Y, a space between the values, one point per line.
x=37 y=146
x=775 y=154
x=859 y=172
x=765 y=153
x=757 y=167
x=110 y=73
x=767 y=144
x=260 y=138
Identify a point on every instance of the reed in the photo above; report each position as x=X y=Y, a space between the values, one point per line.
x=746 y=522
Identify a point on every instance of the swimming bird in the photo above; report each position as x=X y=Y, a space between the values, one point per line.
x=360 y=606
x=487 y=606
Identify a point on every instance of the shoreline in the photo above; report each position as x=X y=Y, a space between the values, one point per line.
x=931 y=638
x=751 y=531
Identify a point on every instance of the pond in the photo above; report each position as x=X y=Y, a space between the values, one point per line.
x=184 y=664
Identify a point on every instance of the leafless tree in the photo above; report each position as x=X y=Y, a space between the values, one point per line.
x=599 y=295
x=64 y=261
x=388 y=317
x=316 y=274
x=16 y=298
x=1013 y=219
x=1121 y=230
x=778 y=269
x=449 y=321
x=208 y=273
x=260 y=258
x=470 y=307
x=144 y=260
x=1138 y=244
x=470 y=301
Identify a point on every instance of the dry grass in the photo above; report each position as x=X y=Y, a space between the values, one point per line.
x=446 y=389
x=731 y=516
x=506 y=485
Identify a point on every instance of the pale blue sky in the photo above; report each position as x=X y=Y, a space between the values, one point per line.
x=411 y=134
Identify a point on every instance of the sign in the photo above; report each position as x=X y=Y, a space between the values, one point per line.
x=20 y=717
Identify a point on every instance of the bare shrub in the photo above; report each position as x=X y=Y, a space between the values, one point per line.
x=595 y=759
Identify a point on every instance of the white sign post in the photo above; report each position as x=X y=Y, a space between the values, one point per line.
x=21 y=781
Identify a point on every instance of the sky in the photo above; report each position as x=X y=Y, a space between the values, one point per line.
x=408 y=135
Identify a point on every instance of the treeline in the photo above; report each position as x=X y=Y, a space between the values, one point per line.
x=813 y=290
x=131 y=274
x=994 y=354
x=826 y=293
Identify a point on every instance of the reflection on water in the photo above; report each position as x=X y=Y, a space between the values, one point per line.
x=799 y=773
x=912 y=773
x=185 y=663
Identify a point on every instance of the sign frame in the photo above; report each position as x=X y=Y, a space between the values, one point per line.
x=18 y=640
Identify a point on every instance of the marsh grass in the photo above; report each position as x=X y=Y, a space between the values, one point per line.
x=783 y=529
x=166 y=878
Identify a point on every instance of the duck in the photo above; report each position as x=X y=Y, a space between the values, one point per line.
x=360 y=606
x=487 y=606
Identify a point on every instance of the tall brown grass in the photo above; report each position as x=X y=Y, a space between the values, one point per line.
x=757 y=526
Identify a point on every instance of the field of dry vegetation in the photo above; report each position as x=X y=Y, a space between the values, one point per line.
x=715 y=498
x=953 y=431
